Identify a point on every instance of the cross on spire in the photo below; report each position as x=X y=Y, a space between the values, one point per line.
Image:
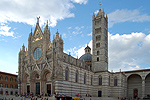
x=38 y=19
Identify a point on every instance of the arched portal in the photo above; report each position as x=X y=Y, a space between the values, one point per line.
x=147 y=84
x=134 y=86
x=25 y=82
x=46 y=82
x=35 y=87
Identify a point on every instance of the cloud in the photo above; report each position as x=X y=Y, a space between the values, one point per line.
x=125 y=15
x=130 y=53
x=90 y=34
x=27 y=11
x=126 y=52
x=78 y=30
x=69 y=27
x=80 y=1
x=64 y=35
x=80 y=50
x=5 y=31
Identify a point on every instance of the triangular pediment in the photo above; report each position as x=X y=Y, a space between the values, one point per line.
x=38 y=34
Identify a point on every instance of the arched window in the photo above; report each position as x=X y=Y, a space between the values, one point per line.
x=16 y=80
x=97 y=58
x=76 y=76
x=85 y=78
x=109 y=81
x=1 y=77
x=11 y=79
x=67 y=74
x=6 y=78
x=97 y=52
x=100 y=80
x=115 y=81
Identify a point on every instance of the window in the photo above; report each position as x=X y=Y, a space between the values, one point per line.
x=16 y=80
x=97 y=22
x=115 y=81
x=1 y=77
x=84 y=78
x=100 y=80
x=11 y=79
x=97 y=45
x=98 y=30
x=91 y=80
x=16 y=86
x=11 y=92
x=76 y=77
x=6 y=85
x=37 y=53
x=1 y=85
x=97 y=52
x=66 y=75
x=109 y=81
x=6 y=78
x=98 y=38
x=97 y=58
x=11 y=86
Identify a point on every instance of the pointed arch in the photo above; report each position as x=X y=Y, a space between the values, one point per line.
x=115 y=81
x=84 y=78
x=35 y=75
x=67 y=74
x=25 y=76
x=99 y=80
x=76 y=76
x=46 y=74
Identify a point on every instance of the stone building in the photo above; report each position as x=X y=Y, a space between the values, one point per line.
x=45 y=68
x=8 y=83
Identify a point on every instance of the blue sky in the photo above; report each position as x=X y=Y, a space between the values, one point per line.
x=129 y=29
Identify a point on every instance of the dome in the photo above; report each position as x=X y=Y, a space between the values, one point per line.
x=86 y=57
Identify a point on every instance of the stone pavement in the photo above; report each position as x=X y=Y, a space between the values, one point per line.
x=9 y=97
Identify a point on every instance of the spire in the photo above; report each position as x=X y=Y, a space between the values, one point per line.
x=103 y=13
x=93 y=15
x=23 y=47
x=57 y=34
x=31 y=31
x=47 y=24
x=99 y=9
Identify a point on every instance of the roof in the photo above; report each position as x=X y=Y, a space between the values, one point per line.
x=8 y=73
x=86 y=57
x=88 y=47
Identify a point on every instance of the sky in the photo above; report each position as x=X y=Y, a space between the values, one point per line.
x=128 y=29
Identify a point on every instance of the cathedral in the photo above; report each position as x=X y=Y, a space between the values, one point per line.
x=45 y=68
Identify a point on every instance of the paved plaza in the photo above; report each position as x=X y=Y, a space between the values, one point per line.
x=11 y=97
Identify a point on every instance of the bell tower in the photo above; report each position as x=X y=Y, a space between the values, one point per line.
x=100 y=41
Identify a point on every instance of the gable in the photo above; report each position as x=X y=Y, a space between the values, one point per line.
x=38 y=34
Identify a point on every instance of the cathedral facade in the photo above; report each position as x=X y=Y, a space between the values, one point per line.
x=45 y=68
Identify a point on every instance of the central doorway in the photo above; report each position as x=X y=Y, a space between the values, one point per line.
x=38 y=88
x=49 y=89
x=135 y=93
